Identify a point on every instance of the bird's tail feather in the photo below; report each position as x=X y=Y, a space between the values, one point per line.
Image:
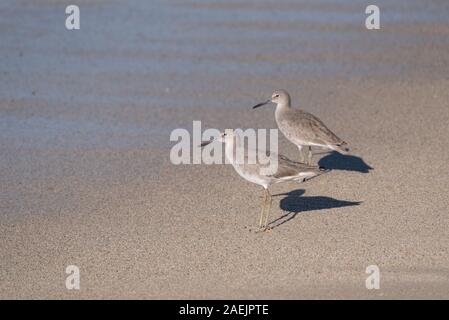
x=314 y=173
x=343 y=148
x=323 y=170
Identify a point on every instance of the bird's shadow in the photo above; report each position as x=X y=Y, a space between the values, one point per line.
x=337 y=161
x=294 y=203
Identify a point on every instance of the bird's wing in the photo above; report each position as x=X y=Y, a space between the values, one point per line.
x=320 y=131
x=310 y=128
x=290 y=168
x=253 y=163
x=285 y=167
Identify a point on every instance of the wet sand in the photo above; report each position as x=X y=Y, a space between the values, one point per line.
x=86 y=179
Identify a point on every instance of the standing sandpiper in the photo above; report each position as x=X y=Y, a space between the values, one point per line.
x=303 y=128
x=239 y=155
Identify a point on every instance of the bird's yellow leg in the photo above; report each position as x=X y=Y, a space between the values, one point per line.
x=270 y=200
x=310 y=155
x=262 y=213
x=301 y=155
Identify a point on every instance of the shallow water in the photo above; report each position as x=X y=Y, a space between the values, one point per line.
x=124 y=77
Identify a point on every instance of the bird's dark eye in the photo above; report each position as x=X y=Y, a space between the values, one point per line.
x=276 y=96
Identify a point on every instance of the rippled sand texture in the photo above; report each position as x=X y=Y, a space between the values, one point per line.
x=86 y=179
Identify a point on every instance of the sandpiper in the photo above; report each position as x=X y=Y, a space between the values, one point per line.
x=284 y=170
x=303 y=128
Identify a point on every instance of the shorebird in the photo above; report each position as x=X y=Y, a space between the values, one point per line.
x=265 y=175
x=303 y=128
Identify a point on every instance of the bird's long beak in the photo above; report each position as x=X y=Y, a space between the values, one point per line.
x=205 y=143
x=262 y=104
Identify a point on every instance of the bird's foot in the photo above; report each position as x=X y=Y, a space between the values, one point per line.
x=267 y=230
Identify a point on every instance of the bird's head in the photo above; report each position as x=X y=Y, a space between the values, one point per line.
x=224 y=137
x=279 y=97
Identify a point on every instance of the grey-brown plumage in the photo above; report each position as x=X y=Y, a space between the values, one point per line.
x=288 y=168
x=303 y=128
x=249 y=166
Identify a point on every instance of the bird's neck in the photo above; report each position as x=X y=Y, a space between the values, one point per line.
x=281 y=107
x=231 y=149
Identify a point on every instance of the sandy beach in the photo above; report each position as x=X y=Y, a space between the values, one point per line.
x=85 y=171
